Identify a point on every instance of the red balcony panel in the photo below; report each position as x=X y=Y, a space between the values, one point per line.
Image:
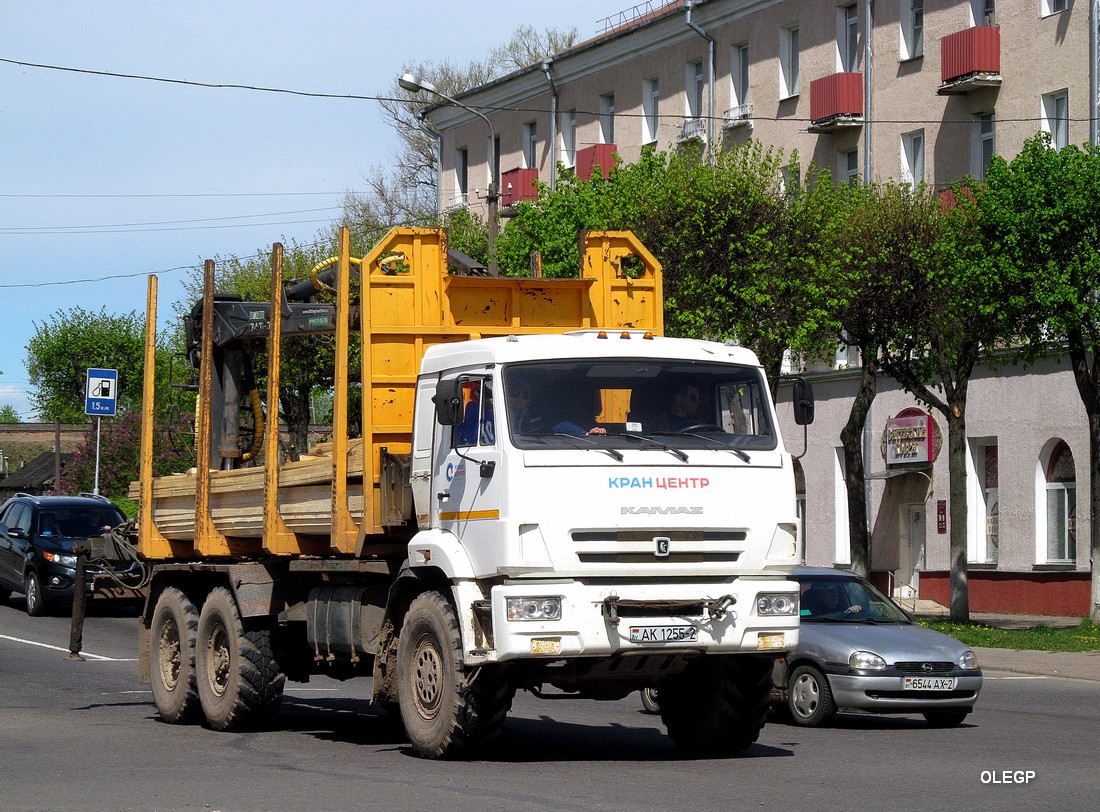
x=517 y=185
x=601 y=155
x=973 y=50
x=840 y=94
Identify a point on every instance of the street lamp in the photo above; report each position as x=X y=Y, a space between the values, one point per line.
x=414 y=85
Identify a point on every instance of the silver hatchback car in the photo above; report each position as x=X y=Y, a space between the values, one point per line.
x=859 y=650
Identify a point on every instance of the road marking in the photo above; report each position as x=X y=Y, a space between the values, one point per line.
x=86 y=655
x=1018 y=676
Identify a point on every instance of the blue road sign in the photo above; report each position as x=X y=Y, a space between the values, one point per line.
x=101 y=392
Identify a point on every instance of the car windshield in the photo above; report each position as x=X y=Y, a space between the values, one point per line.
x=674 y=405
x=844 y=598
x=77 y=522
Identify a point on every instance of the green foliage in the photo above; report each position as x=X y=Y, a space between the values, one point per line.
x=119 y=457
x=8 y=414
x=1085 y=637
x=68 y=343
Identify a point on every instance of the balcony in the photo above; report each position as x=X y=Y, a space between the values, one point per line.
x=517 y=185
x=459 y=201
x=601 y=155
x=970 y=59
x=836 y=102
x=693 y=129
x=740 y=116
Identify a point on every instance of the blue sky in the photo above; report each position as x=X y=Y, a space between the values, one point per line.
x=111 y=177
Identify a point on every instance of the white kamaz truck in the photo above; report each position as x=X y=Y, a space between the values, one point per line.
x=542 y=493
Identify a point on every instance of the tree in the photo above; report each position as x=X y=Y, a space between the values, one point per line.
x=879 y=234
x=67 y=344
x=8 y=414
x=962 y=305
x=1041 y=212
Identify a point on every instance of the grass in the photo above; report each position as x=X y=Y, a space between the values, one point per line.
x=1085 y=637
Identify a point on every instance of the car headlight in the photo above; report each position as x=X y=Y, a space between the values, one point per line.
x=63 y=560
x=968 y=661
x=545 y=608
x=776 y=603
x=866 y=661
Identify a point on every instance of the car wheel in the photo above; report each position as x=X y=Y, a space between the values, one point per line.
x=945 y=718
x=809 y=699
x=649 y=700
x=172 y=657
x=32 y=588
x=239 y=681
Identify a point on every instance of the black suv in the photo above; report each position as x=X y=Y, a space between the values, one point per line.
x=37 y=535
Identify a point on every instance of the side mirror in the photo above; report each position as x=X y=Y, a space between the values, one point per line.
x=448 y=403
x=803 y=402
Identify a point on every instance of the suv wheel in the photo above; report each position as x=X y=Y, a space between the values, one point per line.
x=32 y=588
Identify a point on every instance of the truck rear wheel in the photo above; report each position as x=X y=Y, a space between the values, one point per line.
x=172 y=657
x=445 y=712
x=239 y=681
x=717 y=705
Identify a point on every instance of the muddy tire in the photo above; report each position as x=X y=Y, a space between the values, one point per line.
x=809 y=698
x=717 y=705
x=447 y=711
x=239 y=681
x=172 y=657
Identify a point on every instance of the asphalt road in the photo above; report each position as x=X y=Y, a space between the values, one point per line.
x=85 y=736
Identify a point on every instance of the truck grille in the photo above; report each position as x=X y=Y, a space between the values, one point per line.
x=640 y=546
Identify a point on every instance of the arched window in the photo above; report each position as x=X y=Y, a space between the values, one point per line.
x=800 y=502
x=1061 y=505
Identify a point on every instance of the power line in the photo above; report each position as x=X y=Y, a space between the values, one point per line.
x=139 y=226
x=155 y=195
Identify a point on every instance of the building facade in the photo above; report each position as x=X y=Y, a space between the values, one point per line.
x=908 y=90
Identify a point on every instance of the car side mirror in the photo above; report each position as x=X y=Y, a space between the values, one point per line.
x=803 y=402
x=448 y=403
x=15 y=532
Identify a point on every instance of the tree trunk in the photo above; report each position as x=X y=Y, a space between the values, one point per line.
x=295 y=405
x=854 y=474
x=960 y=589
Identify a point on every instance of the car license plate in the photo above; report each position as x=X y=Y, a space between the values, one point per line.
x=664 y=634
x=929 y=684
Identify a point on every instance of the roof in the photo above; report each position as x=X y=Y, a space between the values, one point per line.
x=36 y=474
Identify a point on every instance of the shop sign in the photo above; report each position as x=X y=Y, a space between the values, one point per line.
x=913 y=437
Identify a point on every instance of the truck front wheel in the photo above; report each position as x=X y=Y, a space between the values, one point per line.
x=717 y=705
x=446 y=711
x=172 y=657
x=239 y=681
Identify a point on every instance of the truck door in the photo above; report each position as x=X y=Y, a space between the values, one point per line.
x=467 y=457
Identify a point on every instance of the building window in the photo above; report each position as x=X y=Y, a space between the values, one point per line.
x=569 y=138
x=986 y=143
x=462 y=175
x=1056 y=118
x=1054 y=6
x=530 y=145
x=790 y=179
x=983 y=12
x=1060 y=491
x=788 y=62
x=912 y=158
x=651 y=110
x=912 y=29
x=800 y=506
x=739 y=75
x=847 y=39
x=848 y=167
x=693 y=87
x=607 y=119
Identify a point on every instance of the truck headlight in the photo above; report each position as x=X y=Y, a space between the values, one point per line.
x=776 y=603
x=545 y=608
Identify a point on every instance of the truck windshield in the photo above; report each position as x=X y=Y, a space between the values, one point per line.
x=628 y=403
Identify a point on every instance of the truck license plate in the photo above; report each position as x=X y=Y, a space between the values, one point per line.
x=928 y=683
x=664 y=634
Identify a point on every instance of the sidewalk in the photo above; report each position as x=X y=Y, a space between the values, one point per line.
x=1005 y=661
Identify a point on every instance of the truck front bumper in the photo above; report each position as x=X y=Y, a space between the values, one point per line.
x=615 y=619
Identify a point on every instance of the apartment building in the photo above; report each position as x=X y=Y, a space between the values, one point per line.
x=910 y=90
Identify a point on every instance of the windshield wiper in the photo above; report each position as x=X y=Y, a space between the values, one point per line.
x=645 y=438
x=714 y=443
x=617 y=455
